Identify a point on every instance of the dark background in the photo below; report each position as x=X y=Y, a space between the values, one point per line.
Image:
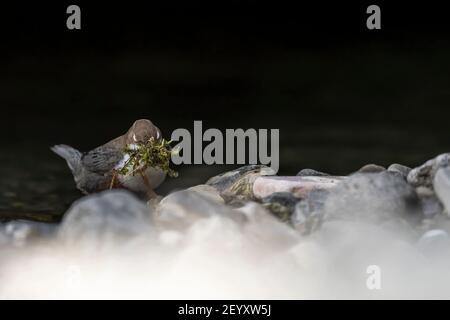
x=341 y=95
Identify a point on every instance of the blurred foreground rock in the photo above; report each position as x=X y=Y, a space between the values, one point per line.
x=110 y=215
x=424 y=174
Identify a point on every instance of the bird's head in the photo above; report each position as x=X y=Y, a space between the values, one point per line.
x=141 y=131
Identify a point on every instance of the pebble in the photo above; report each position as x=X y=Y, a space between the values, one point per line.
x=402 y=170
x=296 y=185
x=371 y=168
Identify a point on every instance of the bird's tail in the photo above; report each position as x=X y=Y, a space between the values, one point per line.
x=71 y=155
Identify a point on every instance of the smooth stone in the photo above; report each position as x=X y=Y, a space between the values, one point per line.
x=308 y=213
x=435 y=243
x=371 y=168
x=238 y=184
x=402 y=170
x=373 y=197
x=181 y=209
x=442 y=186
x=424 y=174
x=298 y=186
x=108 y=218
x=281 y=204
x=311 y=173
x=267 y=229
x=209 y=192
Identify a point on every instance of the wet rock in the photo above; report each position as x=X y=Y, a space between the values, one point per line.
x=399 y=169
x=371 y=168
x=281 y=204
x=238 y=184
x=424 y=174
x=181 y=209
x=297 y=186
x=308 y=213
x=312 y=173
x=111 y=217
x=373 y=197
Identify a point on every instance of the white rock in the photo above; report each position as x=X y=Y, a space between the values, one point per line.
x=109 y=218
x=441 y=184
x=297 y=185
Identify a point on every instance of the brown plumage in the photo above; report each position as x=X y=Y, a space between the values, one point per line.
x=93 y=170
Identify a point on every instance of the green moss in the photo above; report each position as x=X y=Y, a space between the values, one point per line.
x=153 y=153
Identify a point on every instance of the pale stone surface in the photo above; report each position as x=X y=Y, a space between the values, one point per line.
x=110 y=215
x=371 y=168
x=208 y=191
x=442 y=186
x=180 y=209
x=298 y=186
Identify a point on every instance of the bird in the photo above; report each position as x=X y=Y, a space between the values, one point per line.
x=94 y=171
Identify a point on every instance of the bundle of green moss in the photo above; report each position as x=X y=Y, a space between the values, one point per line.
x=153 y=153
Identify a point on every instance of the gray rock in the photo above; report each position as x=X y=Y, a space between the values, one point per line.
x=108 y=218
x=312 y=173
x=442 y=186
x=238 y=184
x=402 y=170
x=281 y=204
x=308 y=213
x=424 y=174
x=374 y=197
x=371 y=168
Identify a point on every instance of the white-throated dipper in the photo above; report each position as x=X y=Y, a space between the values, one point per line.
x=94 y=171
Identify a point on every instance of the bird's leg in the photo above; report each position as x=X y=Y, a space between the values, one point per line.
x=150 y=193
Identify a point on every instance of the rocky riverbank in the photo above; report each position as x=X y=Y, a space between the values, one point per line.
x=305 y=223
x=419 y=198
